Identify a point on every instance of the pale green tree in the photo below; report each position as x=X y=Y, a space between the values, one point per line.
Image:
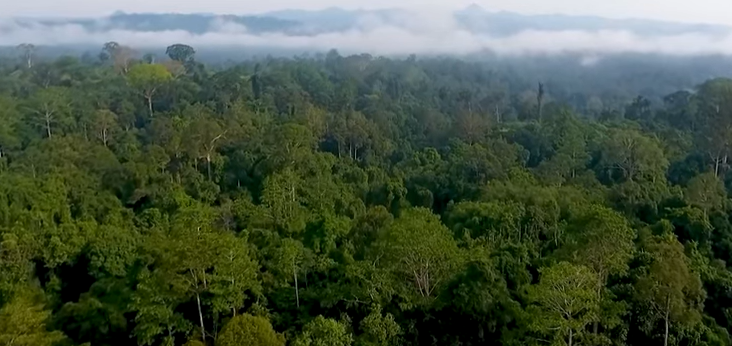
x=715 y=135
x=379 y=329
x=629 y=155
x=104 y=125
x=419 y=252
x=602 y=240
x=28 y=52
x=564 y=302
x=324 y=332
x=23 y=322
x=204 y=135
x=706 y=192
x=50 y=108
x=249 y=330
x=283 y=200
x=148 y=79
x=194 y=262
x=669 y=287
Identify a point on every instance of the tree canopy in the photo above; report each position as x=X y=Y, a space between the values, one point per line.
x=355 y=200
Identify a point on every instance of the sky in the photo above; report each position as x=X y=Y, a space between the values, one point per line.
x=696 y=11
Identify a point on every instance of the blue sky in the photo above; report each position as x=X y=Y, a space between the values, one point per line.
x=707 y=11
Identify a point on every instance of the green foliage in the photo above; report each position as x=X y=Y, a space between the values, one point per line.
x=181 y=52
x=148 y=76
x=672 y=291
x=49 y=110
x=324 y=332
x=706 y=191
x=379 y=329
x=565 y=302
x=148 y=79
x=23 y=322
x=419 y=254
x=10 y=123
x=629 y=155
x=602 y=240
x=99 y=314
x=414 y=202
x=249 y=330
x=194 y=343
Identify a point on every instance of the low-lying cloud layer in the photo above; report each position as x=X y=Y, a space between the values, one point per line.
x=427 y=32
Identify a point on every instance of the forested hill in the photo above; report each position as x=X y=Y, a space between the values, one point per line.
x=353 y=200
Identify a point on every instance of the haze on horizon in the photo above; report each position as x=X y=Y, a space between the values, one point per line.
x=431 y=28
x=699 y=11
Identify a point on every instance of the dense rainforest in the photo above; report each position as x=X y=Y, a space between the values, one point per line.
x=355 y=200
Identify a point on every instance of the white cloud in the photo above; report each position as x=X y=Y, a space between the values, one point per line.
x=421 y=33
x=709 y=11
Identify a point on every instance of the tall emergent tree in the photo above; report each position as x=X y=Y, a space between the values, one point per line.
x=669 y=287
x=147 y=79
x=181 y=53
x=419 y=253
x=28 y=51
x=565 y=302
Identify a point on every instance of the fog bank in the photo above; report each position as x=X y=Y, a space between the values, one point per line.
x=420 y=32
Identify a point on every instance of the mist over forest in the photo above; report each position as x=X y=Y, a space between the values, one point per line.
x=572 y=54
x=426 y=30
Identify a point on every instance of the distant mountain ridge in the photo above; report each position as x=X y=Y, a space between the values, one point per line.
x=479 y=20
x=157 y=22
x=301 y=22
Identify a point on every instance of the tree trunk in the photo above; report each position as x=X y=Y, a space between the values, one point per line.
x=540 y=101
x=601 y=283
x=208 y=166
x=48 y=125
x=200 y=318
x=149 y=105
x=297 y=290
x=570 y=337
x=668 y=306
